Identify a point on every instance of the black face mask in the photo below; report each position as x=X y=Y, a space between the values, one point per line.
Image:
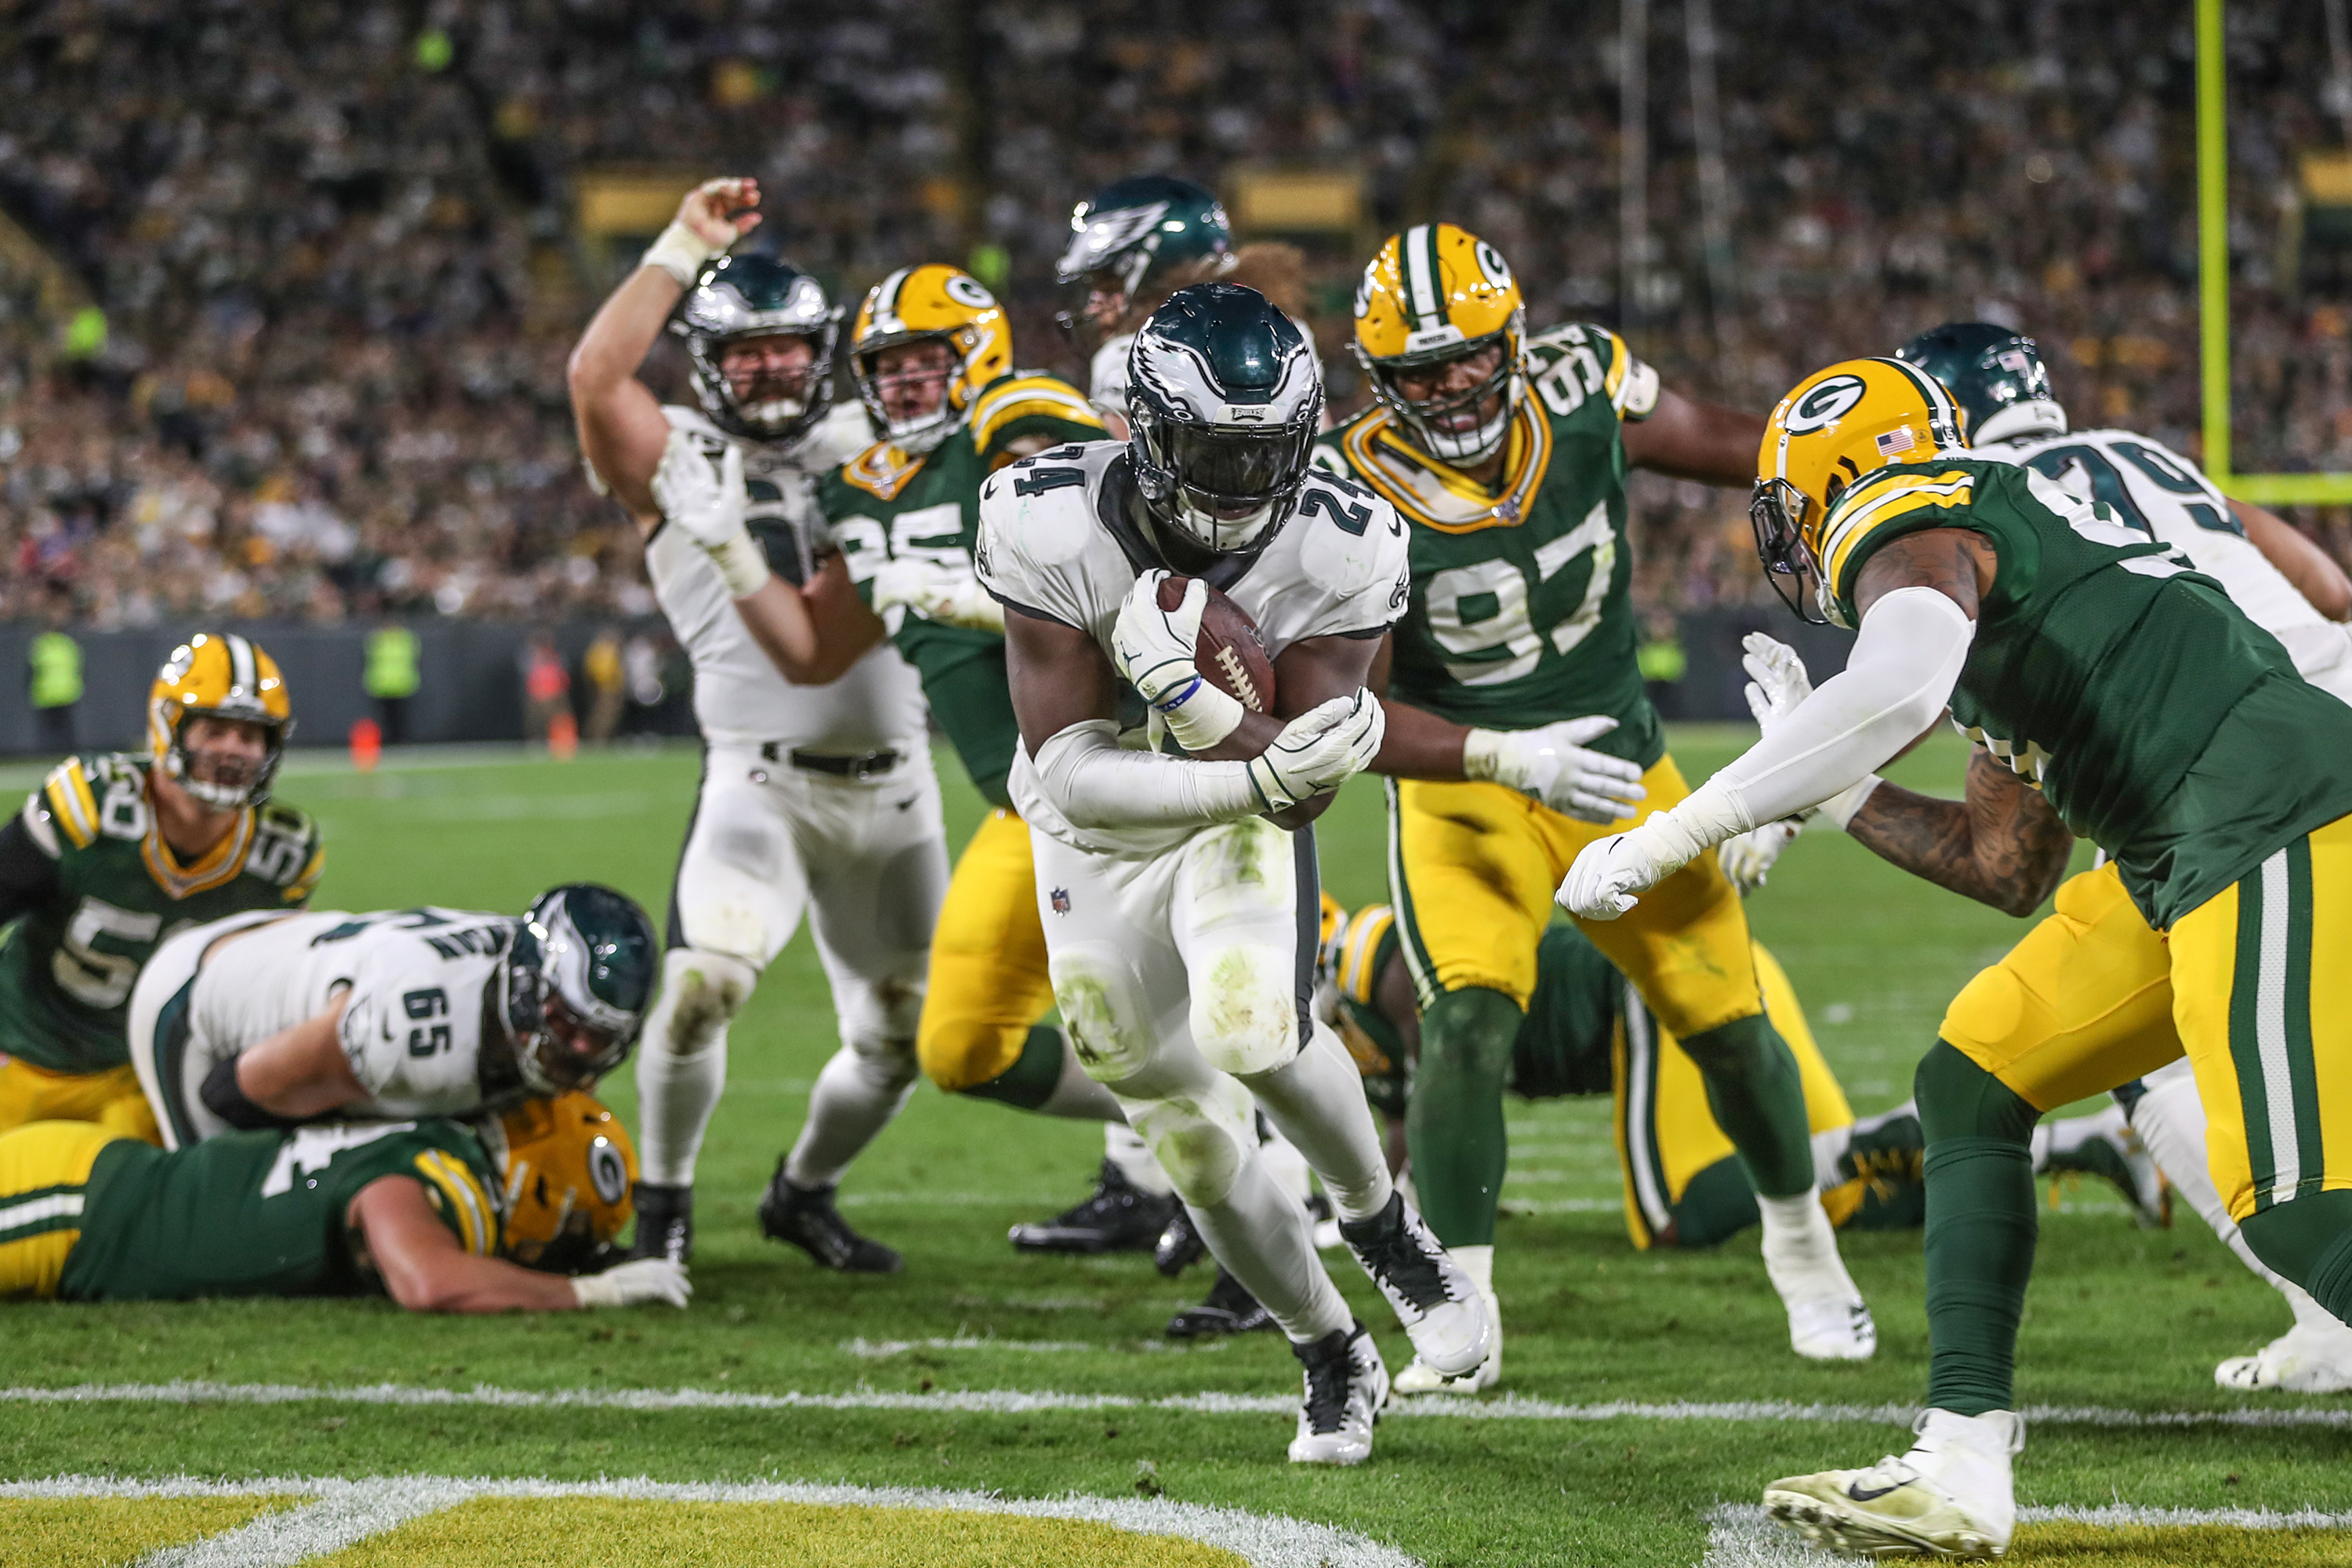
x=1789 y=564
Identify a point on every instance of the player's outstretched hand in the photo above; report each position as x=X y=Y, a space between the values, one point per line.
x=1748 y=857
x=1777 y=681
x=1611 y=874
x=635 y=1283
x=1154 y=648
x=715 y=211
x=937 y=592
x=1320 y=750
x=706 y=502
x=1554 y=765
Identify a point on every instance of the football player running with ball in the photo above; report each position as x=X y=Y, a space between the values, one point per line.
x=114 y=853
x=817 y=792
x=2088 y=658
x=1179 y=891
x=1518 y=729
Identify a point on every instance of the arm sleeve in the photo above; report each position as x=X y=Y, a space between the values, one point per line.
x=29 y=861
x=1095 y=783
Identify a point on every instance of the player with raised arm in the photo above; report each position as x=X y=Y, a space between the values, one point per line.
x=263 y=1020
x=2124 y=693
x=1518 y=729
x=113 y=853
x=441 y=1215
x=817 y=792
x=1179 y=892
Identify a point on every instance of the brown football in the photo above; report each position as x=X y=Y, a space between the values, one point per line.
x=1230 y=653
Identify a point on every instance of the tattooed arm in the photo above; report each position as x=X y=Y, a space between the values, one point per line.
x=2003 y=845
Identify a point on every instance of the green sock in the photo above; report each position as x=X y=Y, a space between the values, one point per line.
x=1717 y=1205
x=1029 y=1081
x=1758 y=1099
x=1454 y=1125
x=1981 y=1225
x=2308 y=1241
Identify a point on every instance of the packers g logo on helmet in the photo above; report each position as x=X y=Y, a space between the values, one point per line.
x=1437 y=293
x=920 y=304
x=1834 y=426
x=569 y=1170
x=218 y=676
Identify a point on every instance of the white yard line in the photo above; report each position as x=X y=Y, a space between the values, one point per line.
x=349 y=1511
x=1017 y=1402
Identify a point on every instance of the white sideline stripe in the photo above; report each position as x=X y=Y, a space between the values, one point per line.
x=882 y=1350
x=1740 y=1536
x=349 y=1511
x=1019 y=1402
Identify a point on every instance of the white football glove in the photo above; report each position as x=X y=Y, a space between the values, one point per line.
x=1552 y=765
x=1611 y=872
x=707 y=505
x=1320 y=750
x=631 y=1284
x=1154 y=651
x=936 y=591
x=1747 y=858
x=1778 y=682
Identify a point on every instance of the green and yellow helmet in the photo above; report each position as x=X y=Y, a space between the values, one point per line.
x=218 y=676
x=916 y=304
x=1434 y=294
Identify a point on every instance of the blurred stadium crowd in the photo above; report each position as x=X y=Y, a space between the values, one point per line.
x=323 y=272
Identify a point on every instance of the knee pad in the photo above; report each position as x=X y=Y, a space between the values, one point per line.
x=701 y=992
x=1102 y=1010
x=1245 y=1009
x=1958 y=1099
x=1474 y=1029
x=1199 y=1141
x=967 y=1051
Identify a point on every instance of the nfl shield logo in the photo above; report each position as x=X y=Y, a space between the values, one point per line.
x=1061 y=897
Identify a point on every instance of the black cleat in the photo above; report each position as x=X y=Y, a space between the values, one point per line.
x=1118 y=1216
x=1180 y=1245
x=808 y=1220
x=1229 y=1309
x=665 y=1221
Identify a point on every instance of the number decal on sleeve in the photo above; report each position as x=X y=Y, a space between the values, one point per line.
x=1037 y=481
x=427 y=1039
x=1350 y=517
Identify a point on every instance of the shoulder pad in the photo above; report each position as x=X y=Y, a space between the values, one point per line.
x=70 y=796
x=1022 y=394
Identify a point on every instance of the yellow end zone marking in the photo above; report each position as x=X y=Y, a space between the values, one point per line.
x=489 y=1531
x=100 y=1531
x=2077 y=1545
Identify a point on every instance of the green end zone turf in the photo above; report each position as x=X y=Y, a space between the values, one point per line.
x=2119 y=1319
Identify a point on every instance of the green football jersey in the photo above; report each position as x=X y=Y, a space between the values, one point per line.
x=264 y=1212
x=886 y=504
x=2160 y=722
x=68 y=966
x=1522 y=610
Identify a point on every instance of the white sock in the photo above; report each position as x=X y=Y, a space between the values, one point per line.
x=1079 y=1098
x=1316 y=1101
x=1478 y=1262
x=1971 y=1456
x=1259 y=1232
x=682 y=1059
x=1801 y=1251
x=1132 y=1156
x=855 y=1096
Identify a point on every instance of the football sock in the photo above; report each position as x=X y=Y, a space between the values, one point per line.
x=855 y=1096
x=1259 y=1234
x=1048 y=1078
x=1801 y=1251
x=1132 y=1156
x=682 y=1059
x=1758 y=1099
x=1455 y=1125
x=2310 y=1242
x=1315 y=1099
x=1981 y=1228
x=1717 y=1205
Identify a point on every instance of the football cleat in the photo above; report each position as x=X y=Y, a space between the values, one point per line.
x=807 y=1219
x=2105 y=1146
x=1346 y=1387
x=665 y=1221
x=2304 y=1360
x=1831 y=1328
x=1117 y=1216
x=1435 y=1299
x=1419 y=1377
x=1180 y=1245
x=1952 y=1496
x=1827 y=1320
x=1230 y=1309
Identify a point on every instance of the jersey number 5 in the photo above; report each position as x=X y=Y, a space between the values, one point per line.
x=426 y=1039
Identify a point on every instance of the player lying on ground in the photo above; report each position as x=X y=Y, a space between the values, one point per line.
x=1518 y=727
x=2158 y=722
x=817 y=795
x=267 y=1020
x=113 y=850
x=1177 y=892
x=2093 y=971
x=433 y=1213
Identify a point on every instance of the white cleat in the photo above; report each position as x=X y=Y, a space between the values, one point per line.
x=1829 y=1329
x=2300 y=1360
x=1347 y=1385
x=1952 y=1496
x=1827 y=1317
x=1440 y=1307
x=1419 y=1377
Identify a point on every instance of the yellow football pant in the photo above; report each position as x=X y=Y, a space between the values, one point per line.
x=43 y=1167
x=111 y=1099
x=2262 y=984
x=1666 y=1132
x=988 y=984
x=1472 y=871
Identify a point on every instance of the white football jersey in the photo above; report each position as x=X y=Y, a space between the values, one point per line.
x=738 y=697
x=422 y=993
x=1106 y=375
x=2157 y=490
x=1056 y=541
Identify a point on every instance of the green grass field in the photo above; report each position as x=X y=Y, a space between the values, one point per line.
x=2119 y=1319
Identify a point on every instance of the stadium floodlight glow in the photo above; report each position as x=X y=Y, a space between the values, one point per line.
x=2213 y=290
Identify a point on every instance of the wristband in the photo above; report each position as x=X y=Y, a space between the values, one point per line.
x=1482 y=755
x=1844 y=806
x=1200 y=714
x=681 y=253
x=740 y=562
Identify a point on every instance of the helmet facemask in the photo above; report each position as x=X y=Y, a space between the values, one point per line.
x=235 y=793
x=1223 y=488
x=1434 y=422
x=1777 y=511
x=717 y=313
x=576 y=993
x=915 y=434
